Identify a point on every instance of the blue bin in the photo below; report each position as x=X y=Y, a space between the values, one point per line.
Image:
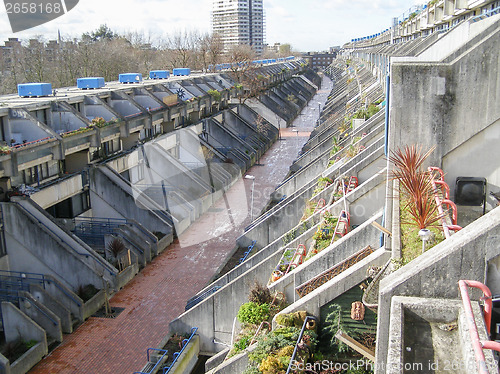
x=159 y=74
x=181 y=71
x=91 y=82
x=130 y=78
x=34 y=89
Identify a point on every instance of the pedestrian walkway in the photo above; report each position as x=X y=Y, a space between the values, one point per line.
x=159 y=293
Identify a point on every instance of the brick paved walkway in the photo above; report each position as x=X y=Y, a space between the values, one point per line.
x=159 y=293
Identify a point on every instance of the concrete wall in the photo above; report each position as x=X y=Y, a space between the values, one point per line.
x=335 y=287
x=58 y=192
x=475 y=158
x=448 y=104
x=460 y=359
x=186 y=362
x=115 y=200
x=18 y=325
x=341 y=249
x=63 y=313
x=40 y=251
x=436 y=272
x=452 y=41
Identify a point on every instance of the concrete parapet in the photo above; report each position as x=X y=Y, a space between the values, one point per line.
x=363 y=236
x=187 y=360
x=18 y=326
x=335 y=287
x=432 y=335
x=55 y=306
x=42 y=315
x=436 y=272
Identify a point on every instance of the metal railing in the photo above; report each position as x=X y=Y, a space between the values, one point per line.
x=485 y=15
x=157 y=364
x=101 y=262
x=9 y=295
x=35 y=278
x=478 y=344
x=247 y=253
x=439 y=202
x=292 y=359
x=176 y=355
x=199 y=298
x=21 y=145
x=121 y=221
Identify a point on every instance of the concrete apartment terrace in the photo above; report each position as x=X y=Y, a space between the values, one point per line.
x=159 y=293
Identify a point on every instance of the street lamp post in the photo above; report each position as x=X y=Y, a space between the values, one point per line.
x=252 y=178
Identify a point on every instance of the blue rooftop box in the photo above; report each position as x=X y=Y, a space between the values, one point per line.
x=181 y=71
x=159 y=74
x=130 y=78
x=34 y=89
x=91 y=82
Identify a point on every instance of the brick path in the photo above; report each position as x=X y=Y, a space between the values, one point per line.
x=159 y=293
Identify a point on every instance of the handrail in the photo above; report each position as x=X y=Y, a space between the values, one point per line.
x=17 y=146
x=446 y=188
x=346 y=219
x=478 y=344
x=152 y=370
x=199 y=298
x=87 y=255
x=247 y=253
x=300 y=257
x=454 y=214
x=297 y=344
x=58 y=286
x=124 y=220
x=318 y=207
x=258 y=330
x=176 y=355
x=7 y=296
x=432 y=169
x=22 y=274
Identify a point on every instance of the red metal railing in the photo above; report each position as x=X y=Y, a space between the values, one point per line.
x=441 y=183
x=478 y=344
x=32 y=142
x=321 y=204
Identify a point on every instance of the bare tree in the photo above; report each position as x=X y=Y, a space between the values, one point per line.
x=182 y=45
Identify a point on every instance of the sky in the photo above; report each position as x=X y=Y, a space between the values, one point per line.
x=308 y=25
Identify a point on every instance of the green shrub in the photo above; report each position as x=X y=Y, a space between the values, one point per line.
x=30 y=344
x=253 y=313
x=216 y=95
x=242 y=344
x=252 y=370
x=285 y=319
x=271 y=365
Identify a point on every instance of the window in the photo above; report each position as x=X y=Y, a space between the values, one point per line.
x=72 y=207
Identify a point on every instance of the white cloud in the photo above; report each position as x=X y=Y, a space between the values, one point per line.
x=307 y=25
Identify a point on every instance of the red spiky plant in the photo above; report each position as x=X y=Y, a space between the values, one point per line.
x=416 y=185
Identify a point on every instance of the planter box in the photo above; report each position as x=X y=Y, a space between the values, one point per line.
x=29 y=359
